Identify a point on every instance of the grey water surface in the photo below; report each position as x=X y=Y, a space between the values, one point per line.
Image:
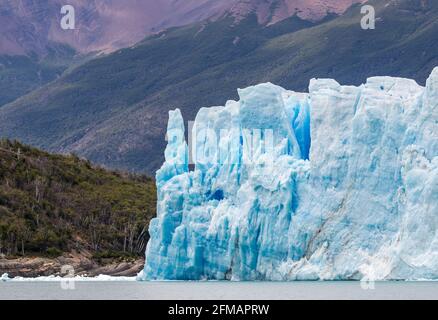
x=218 y=290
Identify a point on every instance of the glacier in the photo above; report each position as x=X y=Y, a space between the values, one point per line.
x=338 y=183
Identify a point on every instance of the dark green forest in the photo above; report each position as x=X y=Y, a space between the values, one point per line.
x=51 y=204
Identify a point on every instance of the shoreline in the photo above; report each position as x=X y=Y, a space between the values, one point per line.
x=72 y=264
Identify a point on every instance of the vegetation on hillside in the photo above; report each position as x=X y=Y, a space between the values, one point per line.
x=22 y=74
x=50 y=204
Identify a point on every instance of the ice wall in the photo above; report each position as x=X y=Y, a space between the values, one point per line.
x=337 y=183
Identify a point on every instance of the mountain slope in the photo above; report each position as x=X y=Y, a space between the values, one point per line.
x=51 y=204
x=273 y=11
x=99 y=25
x=113 y=110
x=106 y=25
x=35 y=50
x=21 y=74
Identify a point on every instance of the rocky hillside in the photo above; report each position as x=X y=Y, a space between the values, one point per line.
x=35 y=50
x=32 y=26
x=273 y=11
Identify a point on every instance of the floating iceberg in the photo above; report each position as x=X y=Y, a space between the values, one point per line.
x=337 y=183
x=5 y=277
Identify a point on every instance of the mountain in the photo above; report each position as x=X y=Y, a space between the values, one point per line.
x=340 y=183
x=52 y=205
x=113 y=109
x=105 y=25
x=35 y=50
x=100 y=25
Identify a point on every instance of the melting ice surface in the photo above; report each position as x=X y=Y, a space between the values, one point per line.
x=337 y=183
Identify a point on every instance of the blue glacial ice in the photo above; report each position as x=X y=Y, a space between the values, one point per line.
x=337 y=183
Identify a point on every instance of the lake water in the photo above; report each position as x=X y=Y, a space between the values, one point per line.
x=217 y=290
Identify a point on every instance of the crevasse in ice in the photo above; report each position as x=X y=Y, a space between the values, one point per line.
x=337 y=183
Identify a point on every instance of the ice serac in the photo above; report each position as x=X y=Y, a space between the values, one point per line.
x=337 y=183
